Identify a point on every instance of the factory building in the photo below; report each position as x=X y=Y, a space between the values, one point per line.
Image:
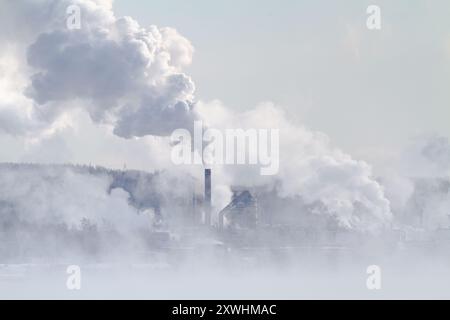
x=241 y=212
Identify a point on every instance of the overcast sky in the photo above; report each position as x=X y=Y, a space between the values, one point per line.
x=370 y=91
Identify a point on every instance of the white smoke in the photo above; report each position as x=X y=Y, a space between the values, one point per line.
x=53 y=195
x=310 y=167
x=119 y=72
x=426 y=156
x=418 y=184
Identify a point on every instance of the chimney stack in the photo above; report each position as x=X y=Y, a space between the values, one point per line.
x=208 y=197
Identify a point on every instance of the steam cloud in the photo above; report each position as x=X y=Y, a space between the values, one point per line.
x=119 y=72
x=311 y=168
x=418 y=185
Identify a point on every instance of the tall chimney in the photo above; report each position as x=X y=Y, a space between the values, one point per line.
x=208 y=197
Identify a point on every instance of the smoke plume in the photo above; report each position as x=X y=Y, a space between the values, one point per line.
x=118 y=71
x=310 y=168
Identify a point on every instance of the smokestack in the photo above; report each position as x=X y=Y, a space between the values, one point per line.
x=208 y=197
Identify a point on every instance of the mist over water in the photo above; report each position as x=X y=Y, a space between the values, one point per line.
x=50 y=220
x=323 y=279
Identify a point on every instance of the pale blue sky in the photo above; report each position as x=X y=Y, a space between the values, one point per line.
x=365 y=89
